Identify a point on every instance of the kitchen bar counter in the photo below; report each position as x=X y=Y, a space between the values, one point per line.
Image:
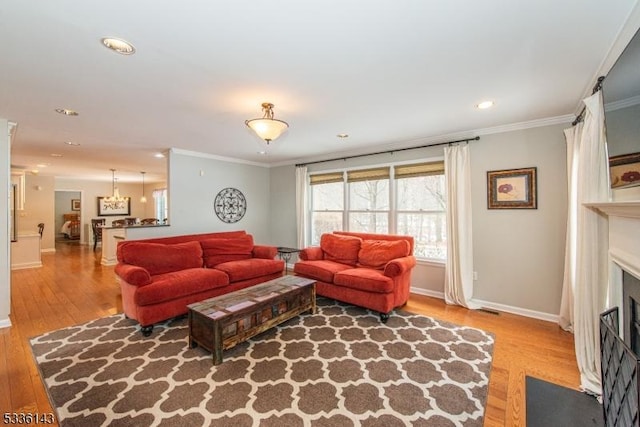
x=112 y=235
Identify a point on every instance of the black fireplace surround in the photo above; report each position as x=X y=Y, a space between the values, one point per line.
x=620 y=368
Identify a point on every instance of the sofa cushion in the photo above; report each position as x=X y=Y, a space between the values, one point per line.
x=217 y=251
x=174 y=285
x=342 y=249
x=364 y=279
x=319 y=270
x=250 y=268
x=377 y=253
x=159 y=258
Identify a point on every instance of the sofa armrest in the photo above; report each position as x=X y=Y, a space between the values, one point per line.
x=132 y=274
x=399 y=266
x=313 y=253
x=265 y=252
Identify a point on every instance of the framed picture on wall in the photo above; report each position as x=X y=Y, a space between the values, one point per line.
x=512 y=189
x=75 y=204
x=107 y=207
x=625 y=170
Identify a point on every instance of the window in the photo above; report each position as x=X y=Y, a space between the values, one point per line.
x=369 y=200
x=403 y=199
x=160 y=204
x=421 y=207
x=327 y=198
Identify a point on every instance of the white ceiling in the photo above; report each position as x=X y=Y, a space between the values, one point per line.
x=389 y=73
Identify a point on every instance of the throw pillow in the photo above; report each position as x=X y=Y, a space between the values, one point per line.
x=217 y=251
x=342 y=249
x=159 y=258
x=377 y=253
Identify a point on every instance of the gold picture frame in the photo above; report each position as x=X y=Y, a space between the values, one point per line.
x=512 y=189
x=625 y=170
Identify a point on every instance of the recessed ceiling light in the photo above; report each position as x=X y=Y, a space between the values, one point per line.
x=55 y=155
x=159 y=155
x=120 y=46
x=343 y=135
x=484 y=105
x=67 y=112
x=42 y=165
x=75 y=144
x=262 y=153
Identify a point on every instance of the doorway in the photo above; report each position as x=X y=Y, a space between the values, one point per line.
x=68 y=217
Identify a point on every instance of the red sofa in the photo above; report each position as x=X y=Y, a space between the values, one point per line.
x=367 y=270
x=160 y=277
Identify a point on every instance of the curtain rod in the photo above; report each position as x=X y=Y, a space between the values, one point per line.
x=477 y=138
x=596 y=88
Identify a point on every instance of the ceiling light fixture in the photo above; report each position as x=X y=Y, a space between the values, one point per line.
x=343 y=135
x=484 y=105
x=115 y=199
x=143 y=199
x=267 y=127
x=120 y=46
x=74 y=144
x=67 y=112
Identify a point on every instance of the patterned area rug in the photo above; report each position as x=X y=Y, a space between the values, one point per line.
x=338 y=367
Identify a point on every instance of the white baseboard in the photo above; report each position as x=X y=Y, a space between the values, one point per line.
x=525 y=312
x=48 y=250
x=520 y=311
x=24 y=265
x=427 y=292
x=5 y=323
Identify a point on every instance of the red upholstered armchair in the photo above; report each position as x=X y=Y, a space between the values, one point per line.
x=363 y=269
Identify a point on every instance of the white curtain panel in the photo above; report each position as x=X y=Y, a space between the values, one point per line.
x=586 y=270
x=301 y=206
x=458 y=285
x=572 y=136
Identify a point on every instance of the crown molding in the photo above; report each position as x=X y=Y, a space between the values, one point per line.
x=215 y=157
x=530 y=124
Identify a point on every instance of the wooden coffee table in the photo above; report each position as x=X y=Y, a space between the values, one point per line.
x=220 y=323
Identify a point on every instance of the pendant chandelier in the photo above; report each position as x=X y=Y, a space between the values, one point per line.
x=267 y=127
x=143 y=199
x=115 y=193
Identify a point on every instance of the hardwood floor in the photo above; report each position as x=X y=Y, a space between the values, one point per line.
x=72 y=287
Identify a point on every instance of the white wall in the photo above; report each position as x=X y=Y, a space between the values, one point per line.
x=5 y=252
x=38 y=207
x=194 y=181
x=518 y=254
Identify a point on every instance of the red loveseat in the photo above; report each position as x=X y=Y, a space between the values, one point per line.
x=363 y=269
x=160 y=277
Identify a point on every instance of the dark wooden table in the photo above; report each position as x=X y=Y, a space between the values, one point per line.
x=285 y=254
x=220 y=323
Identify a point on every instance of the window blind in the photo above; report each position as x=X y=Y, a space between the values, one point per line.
x=326 y=178
x=419 y=169
x=368 y=174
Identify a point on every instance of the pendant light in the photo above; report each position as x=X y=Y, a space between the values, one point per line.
x=115 y=193
x=267 y=127
x=143 y=199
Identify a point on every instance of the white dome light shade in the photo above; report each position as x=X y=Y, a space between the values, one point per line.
x=267 y=127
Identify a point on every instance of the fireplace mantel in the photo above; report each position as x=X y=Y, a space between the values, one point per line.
x=624 y=244
x=621 y=209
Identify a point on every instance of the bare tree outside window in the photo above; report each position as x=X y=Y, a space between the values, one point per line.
x=369 y=206
x=421 y=205
x=327 y=211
